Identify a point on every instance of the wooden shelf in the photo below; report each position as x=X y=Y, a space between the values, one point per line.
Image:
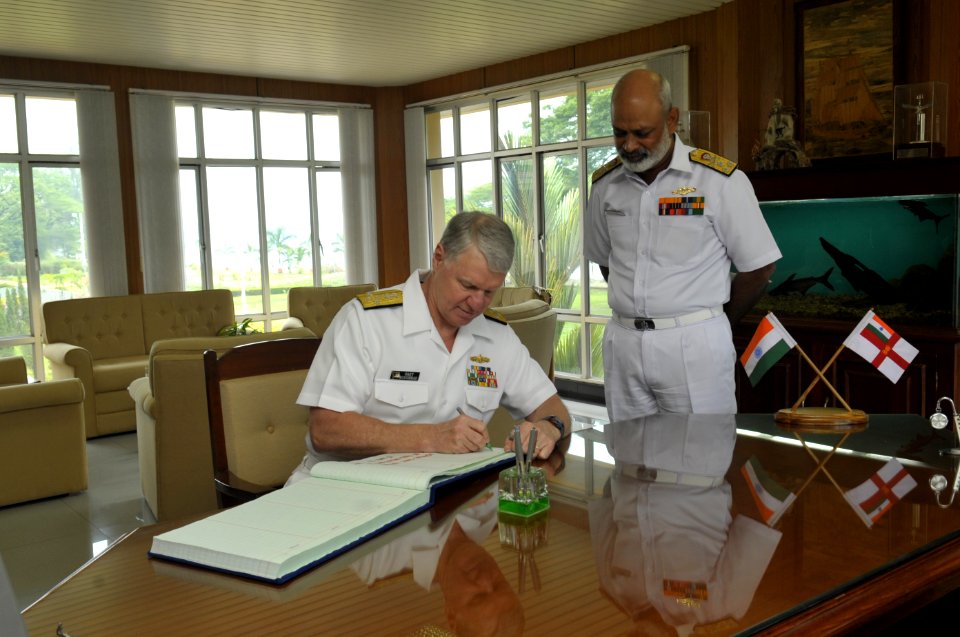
x=845 y=178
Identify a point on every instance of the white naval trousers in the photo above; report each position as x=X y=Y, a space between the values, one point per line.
x=687 y=369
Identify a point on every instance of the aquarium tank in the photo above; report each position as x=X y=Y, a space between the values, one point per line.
x=841 y=257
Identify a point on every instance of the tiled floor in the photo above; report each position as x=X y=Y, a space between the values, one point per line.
x=43 y=542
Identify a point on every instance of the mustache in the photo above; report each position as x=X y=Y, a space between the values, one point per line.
x=636 y=156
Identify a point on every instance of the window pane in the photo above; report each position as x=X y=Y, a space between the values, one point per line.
x=283 y=135
x=475 y=129
x=561 y=211
x=477 y=185
x=598 y=108
x=566 y=356
x=234 y=235
x=443 y=202
x=190 y=230
x=186 y=131
x=558 y=115
x=596 y=350
x=52 y=126
x=513 y=123
x=8 y=124
x=439 y=132
x=228 y=133
x=58 y=201
x=333 y=262
x=517 y=202
x=326 y=137
x=286 y=198
x=14 y=305
x=597 y=157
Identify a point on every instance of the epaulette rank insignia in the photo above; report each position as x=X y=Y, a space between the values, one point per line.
x=712 y=160
x=495 y=316
x=380 y=298
x=603 y=170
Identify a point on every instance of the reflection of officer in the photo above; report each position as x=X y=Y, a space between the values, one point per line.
x=477 y=597
x=664 y=223
x=420 y=368
x=667 y=550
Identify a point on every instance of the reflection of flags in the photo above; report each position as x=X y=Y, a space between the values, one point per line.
x=880 y=492
x=771 y=497
x=769 y=344
x=881 y=346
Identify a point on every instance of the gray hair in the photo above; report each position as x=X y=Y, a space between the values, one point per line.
x=490 y=234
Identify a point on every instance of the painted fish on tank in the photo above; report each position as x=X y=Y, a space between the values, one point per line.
x=793 y=285
x=860 y=276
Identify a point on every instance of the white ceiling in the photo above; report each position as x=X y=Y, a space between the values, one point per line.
x=364 y=42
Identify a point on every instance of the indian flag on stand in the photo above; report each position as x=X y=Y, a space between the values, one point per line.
x=769 y=344
x=880 y=492
x=771 y=497
x=881 y=346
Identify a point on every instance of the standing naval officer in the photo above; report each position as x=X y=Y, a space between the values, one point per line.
x=664 y=223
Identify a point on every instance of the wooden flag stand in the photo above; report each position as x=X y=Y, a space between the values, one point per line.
x=821 y=419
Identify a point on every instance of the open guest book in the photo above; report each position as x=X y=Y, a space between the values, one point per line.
x=286 y=532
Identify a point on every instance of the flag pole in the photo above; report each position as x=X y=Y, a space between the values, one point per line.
x=820 y=377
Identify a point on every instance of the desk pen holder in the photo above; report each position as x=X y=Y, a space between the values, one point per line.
x=523 y=493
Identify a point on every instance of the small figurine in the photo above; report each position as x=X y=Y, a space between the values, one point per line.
x=780 y=149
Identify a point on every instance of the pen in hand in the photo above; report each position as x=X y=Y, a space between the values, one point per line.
x=462 y=413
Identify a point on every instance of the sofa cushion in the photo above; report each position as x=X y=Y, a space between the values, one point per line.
x=106 y=326
x=114 y=374
x=185 y=314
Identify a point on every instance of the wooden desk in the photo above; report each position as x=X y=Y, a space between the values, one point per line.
x=909 y=558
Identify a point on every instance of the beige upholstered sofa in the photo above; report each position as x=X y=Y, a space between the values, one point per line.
x=173 y=435
x=104 y=341
x=315 y=307
x=43 y=450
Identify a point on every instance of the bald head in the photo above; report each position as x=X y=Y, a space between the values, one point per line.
x=643 y=85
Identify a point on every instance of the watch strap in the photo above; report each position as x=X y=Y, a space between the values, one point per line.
x=556 y=422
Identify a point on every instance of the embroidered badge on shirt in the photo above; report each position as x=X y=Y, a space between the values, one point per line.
x=684 y=190
x=400 y=375
x=481 y=376
x=686 y=593
x=671 y=206
x=480 y=359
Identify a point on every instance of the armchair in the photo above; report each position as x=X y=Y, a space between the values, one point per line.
x=535 y=323
x=43 y=449
x=315 y=307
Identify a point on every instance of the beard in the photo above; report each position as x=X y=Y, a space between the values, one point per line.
x=643 y=160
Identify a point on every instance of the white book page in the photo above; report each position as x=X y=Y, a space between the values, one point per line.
x=289 y=528
x=407 y=470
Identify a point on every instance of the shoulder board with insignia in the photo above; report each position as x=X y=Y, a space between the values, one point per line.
x=712 y=160
x=603 y=170
x=495 y=316
x=380 y=298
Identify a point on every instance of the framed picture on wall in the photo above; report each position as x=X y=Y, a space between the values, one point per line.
x=845 y=76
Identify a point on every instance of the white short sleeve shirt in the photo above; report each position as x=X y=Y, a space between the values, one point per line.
x=664 y=264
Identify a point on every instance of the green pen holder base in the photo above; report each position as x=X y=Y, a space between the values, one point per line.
x=523 y=495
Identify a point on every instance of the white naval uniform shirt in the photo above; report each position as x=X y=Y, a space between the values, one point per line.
x=667 y=266
x=391 y=363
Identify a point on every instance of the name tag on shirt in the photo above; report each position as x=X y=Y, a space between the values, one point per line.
x=681 y=206
x=398 y=375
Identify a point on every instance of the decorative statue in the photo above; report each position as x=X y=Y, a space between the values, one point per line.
x=780 y=149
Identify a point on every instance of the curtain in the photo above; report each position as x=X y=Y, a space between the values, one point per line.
x=418 y=217
x=103 y=208
x=358 y=179
x=158 y=199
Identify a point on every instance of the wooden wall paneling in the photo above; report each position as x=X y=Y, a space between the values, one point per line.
x=557 y=61
x=392 y=231
x=724 y=122
x=457 y=84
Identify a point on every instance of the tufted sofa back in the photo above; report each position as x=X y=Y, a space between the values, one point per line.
x=106 y=326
